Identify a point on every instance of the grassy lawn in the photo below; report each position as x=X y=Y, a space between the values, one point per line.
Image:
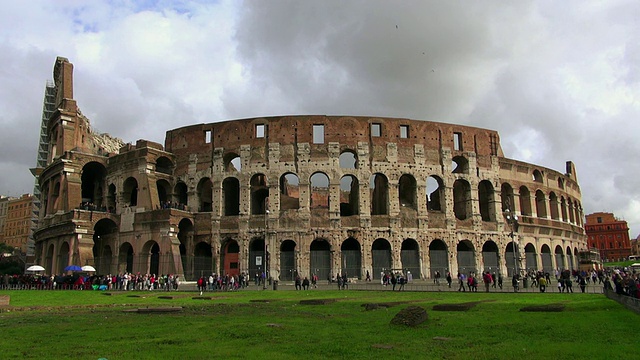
x=274 y=325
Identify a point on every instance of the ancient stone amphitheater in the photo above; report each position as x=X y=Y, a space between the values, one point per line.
x=300 y=195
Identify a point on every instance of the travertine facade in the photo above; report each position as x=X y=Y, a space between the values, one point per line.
x=329 y=194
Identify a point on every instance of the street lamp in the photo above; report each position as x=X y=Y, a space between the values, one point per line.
x=512 y=220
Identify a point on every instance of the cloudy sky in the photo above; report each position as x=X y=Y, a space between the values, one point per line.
x=559 y=80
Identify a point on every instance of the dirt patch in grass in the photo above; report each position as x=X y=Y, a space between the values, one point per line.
x=543 y=308
x=455 y=307
x=410 y=316
x=385 y=305
x=317 y=301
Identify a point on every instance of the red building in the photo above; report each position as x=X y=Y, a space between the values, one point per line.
x=609 y=235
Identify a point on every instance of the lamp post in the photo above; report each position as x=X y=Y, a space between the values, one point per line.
x=512 y=220
x=266 y=230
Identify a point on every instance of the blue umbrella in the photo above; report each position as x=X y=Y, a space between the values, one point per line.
x=73 y=268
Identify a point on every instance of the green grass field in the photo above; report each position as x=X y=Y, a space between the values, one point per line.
x=274 y=325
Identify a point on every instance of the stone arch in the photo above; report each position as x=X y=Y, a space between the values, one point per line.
x=125 y=258
x=258 y=257
x=506 y=197
x=466 y=257
x=379 y=192
x=438 y=257
x=105 y=232
x=319 y=190
x=381 y=256
x=48 y=260
x=185 y=237
x=491 y=256
x=525 y=201
x=511 y=256
x=180 y=195
x=541 y=204
x=349 y=196
x=205 y=195
x=259 y=194
x=202 y=260
x=545 y=256
x=150 y=258
x=130 y=191
x=410 y=258
x=531 y=258
x=63 y=257
x=563 y=208
x=164 y=192
x=553 y=206
x=461 y=199
x=570 y=259
x=572 y=218
x=561 y=183
x=232 y=162
x=459 y=165
x=486 y=198
x=55 y=197
x=351 y=258
x=320 y=258
x=230 y=258
x=289 y=191
x=93 y=181
x=164 y=165
x=231 y=196
x=348 y=160
x=111 y=198
x=407 y=192
x=435 y=193
x=537 y=176
x=559 y=255
x=288 y=266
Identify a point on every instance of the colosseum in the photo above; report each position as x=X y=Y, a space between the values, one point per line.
x=310 y=194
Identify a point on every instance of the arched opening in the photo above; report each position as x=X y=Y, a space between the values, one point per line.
x=563 y=208
x=93 y=183
x=349 y=196
x=288 y=268
x=289 y=192
x=63 y=257
x=438 y=257
x=407 y=189
x=466 y=257
x=351 y=258
x=320 y=258
x=545 y=256
x=506 y=197
x=459 y=165
x=164 y=165
x=111 y=199
x=435 y=193
x=202 y=260
x=511 y=256
x=151 y=258
x=257 y=259
x=461 y=199
x=541 y=204
x=379 y=192
x=230 y=253
x=410 y=257
x=259 y=194
x=105 y=232
x=164 y=190
x=125 y=258
x=231 y=196
x=319 y=200
x=525 y=201
x=487 y=200
x=537 y=176
x=559 y=254
x=381 y=256
x=491 y=257
x=553 y=206
x=570 y=259
x=232 y=162
x=48 y=260
x=531 y=257
x=130 y=191
x=348 y=160
x=205 y=194
x=185 y=236
x=180 y=196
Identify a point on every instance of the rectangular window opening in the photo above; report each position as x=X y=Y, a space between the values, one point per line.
x=404 y=131
x=207 y=137
x=260 y=130
x=457 y=141
x=376 y=130
x=318 y=134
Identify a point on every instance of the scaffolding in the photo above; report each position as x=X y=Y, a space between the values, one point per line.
x=48 y=107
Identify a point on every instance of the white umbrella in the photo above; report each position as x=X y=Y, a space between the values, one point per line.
x=35 y=268
x=88 y=268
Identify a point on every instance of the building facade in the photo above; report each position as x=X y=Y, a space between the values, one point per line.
x=609 y=235
x=18 y=222
x=4 y=206
x=300 y=195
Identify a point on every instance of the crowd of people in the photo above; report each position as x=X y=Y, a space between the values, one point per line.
x=75 y=281
x=218 y=282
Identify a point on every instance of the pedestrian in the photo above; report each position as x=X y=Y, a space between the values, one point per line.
x=449 y=279
x=515 y=282
x=298 y=283
x=543 y=284
x=305 y=283
x=487 y=279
